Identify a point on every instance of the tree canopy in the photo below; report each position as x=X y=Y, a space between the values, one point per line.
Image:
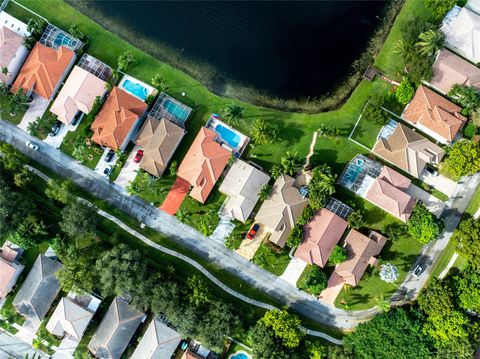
x=467 y=238
x=423 y=225
x=464 y=158
x=79 y=220
x=339 y=255
x=321 y=186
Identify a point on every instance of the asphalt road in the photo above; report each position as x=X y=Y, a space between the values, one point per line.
x=216 y=253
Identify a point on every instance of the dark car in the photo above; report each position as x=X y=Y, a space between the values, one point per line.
x=417 y=271
x=107 y=171
x=253 y=231
x=431 y=171
x=138 y=156
x=109 y=156
x=55 y=128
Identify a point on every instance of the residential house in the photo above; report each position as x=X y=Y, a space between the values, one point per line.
x=203 y=164
x=361 y=252
x=434 y=115
x=44 y=70
x=10 y=268
x=117 y=121
x=280 y=212
x=461 y=27
x=115 y=330
x=321 y=235
x=77 y=95
x=242 y=185
x=39 y=290
x=159 y=140
x=69 y=319
x=407 y=149
x=473 y=5
x=159 y=342
x=12 y=51
x=450 y=69
x=388 y=191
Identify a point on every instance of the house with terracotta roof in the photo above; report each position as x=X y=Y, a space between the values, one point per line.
x=321 y=235
x=434 y=115
x=450 y=69
x=118 y=120
x=242 y=186
x=77 y=95
x=44 y=70
x=388 y=191
x=461 y=27
x=279 y=213
x=361 y=252
x=407 y=149
x=12 y=54
x=203 y=164
x=159 y=140
x=10 y=268
x=69 y=319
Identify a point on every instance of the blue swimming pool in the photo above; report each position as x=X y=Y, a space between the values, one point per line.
x=135 y=89
x=240 y=355
x=64 y=40
x=228 y=136
x=178 y=111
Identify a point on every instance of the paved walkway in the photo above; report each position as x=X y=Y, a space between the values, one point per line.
x=440 y=182
x=27 y=331
x=433 y=204
x=293 y=271
x=175 y=197
x=36 y=109
x=449 y=265
x=129 y=169
x=312 y=148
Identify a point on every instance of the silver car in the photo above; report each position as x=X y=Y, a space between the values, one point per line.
x=31 y=145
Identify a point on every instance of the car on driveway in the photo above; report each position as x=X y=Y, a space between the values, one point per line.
x=55 y=128
x=431 y=171
x=107 y=171
x=253 y=231
x=138 y=156
x=109 y=156
x=31 y=145
x=417 y=271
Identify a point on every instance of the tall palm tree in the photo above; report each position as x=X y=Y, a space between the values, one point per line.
x=467 y=96
x=80 y=152
x=291 y=163
x=431 y=42
x=261 y=134
x=327 y=182
x=233 y=112
x=382 y=303
x=159 y=82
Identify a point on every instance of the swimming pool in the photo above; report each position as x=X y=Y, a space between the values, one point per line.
x=135 y=89
x=64 y=40
x=228 y=136
x=239 y=355
x=178 y=111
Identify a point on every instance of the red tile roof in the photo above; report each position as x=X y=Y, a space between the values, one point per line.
x=175 y=197
x=43 y=69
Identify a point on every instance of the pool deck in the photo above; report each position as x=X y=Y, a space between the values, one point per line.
x=151 y=90
x=159 y=111
x=244 y=140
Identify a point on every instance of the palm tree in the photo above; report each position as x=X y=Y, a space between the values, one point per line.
x=80 y=152
x=204 y=226
x=382 y=303
x=466 y=96
x=327 y=182
x=18 y=101
x=133 y=188
x=159 y=82
x=233 y=112
x=261 y=134
x=431 y=42
x=291 y=163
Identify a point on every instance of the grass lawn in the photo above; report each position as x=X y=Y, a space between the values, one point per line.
x=474 y=204
x=5 y=112
x=234 y=347
x=268 y=257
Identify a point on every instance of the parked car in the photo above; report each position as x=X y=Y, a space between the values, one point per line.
x=109 y=156
x=138 y=156
x=107 y=171
x=55 y=128
x=417 y=271
x=32 y=145
x=253 y=231
x=431 y=171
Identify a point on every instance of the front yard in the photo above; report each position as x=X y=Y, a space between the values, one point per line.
x=272 y=258
x=5 y=112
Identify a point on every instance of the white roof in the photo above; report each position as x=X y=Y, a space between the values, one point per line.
x=158 y=342
x=242 y=184
x=69 y=318
x=13 y=24
x=463 y=34
x=473 y=5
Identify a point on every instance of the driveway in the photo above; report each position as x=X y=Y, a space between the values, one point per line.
x=56 y=141
x=37 y=108
x=293 y=271
x=13 y=347
x=129 y=169
x=433 y=204
x=66 y=349
x=27 y=331
x=249 y=247
x=102 y=164
x=440 y=182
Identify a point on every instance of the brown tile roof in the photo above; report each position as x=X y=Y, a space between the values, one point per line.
x=203 y=164
x=408 y=150
x=388 y=192
x=450 y=69
x=435 y=113
x=159 y=140
x=280 y=212
x=43 y=69
x=321 y=235
x=10 y=42
x=7 y=273
x=361 y=251
x=116 y=118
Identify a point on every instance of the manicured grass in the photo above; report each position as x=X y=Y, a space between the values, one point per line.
x=5 y=112
x=474 y=204
x=366 y=133
x=272 y=259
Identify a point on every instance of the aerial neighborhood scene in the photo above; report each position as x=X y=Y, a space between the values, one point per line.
x=240 y=180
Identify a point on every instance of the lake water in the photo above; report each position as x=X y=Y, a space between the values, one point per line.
x=287 y=49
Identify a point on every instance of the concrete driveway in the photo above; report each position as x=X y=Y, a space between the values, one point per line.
x=433 y=204
x=440 y=182
x=293 y=271
x=129 y=169
x=102 y=164
x=37 y=108
x=249 y=247
x=66 y=349
x=56 y=141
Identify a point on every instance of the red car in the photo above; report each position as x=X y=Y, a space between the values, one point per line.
x=138 y=156
x=253 y=231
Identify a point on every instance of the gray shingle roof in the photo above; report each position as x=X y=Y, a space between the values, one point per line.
x=39 y=289
x=116 y=330
x=158 y=342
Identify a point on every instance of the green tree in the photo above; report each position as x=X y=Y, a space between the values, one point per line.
x=291 y=163
x=464 y=158
x=79 y=220
x=197 y=292
x=423 y=225
x=382 y=303
x=475 y=117
x=4 y=90
x=315 y=280
x=440 y=7
x=321 y=186
x=159 y=82
x=75 y=32
x=404 y=91
x=80 y=152
x=233 y=112
x=467 y=96
x=316 y=350
x=286 y=326
x=430 y=42
x=265 y=192
x=295 y=237
x=373 y=111
x=266 y=345
x=11 y=159
x=339 y=255
x=395 y=231
x=61 y=192
x=276 y=170
x=356 y=219
x=307 y=214
x=173 y=168
x=22 y=178
x=125 y=60
x=29 y=233
x=14 y=207
x=262 y=134
x=18 y=101
x=467 y=239
x=467 y=290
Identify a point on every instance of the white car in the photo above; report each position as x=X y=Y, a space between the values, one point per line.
x=417 y=271
x=32 y=145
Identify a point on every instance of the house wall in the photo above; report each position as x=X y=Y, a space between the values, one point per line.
x=16 y=64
